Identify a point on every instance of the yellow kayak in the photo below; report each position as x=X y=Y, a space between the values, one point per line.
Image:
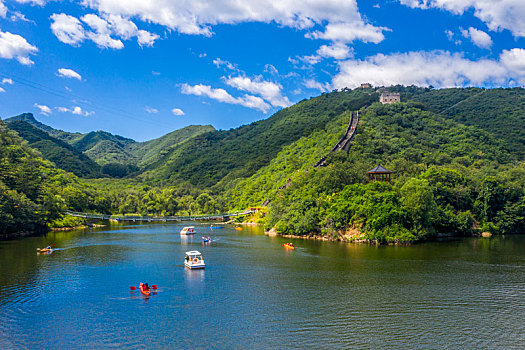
x=289 y=246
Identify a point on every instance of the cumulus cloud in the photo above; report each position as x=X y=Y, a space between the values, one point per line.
x=348 y=32
x=67 y=29
x=70 y=30
x=437 y=68
x=7 y=81
x=478 y=37
x=497 y=14
x=101 y=34
x=222 y=95
x=339 y=51
x=315 y=85
x=340 y=19
x=75 y=110
x=268 y=90
x=68 y=73
x=514 y=61
x=43 y=109
x=15 y=46
x=177 y=111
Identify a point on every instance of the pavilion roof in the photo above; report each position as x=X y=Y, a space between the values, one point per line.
x=379 y=170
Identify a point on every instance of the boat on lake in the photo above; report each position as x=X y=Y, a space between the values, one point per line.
x=194 y=260
x=214 y=227
x=188 y=230
x=289 y=246
x=206 y=239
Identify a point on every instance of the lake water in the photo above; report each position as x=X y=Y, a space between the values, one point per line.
x=467 y=293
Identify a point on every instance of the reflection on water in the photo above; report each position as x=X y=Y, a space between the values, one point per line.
x=466 y=293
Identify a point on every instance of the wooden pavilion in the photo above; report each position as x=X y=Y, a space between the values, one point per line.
x=379 y=174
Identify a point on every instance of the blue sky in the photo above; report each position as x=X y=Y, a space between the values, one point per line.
x=143 y=68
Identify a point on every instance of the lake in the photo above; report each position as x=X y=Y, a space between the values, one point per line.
x=464 y=293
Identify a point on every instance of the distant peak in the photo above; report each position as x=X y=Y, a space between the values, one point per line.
x=26 y=117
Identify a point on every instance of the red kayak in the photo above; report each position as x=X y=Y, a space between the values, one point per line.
x=145 y=290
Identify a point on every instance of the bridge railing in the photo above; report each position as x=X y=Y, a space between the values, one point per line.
x=157 y=218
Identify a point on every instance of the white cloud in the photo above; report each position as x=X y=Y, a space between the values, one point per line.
x=339 y=51
x=340 y=19
x=177 y=111
x=33 y=2
x=437 y=68
x=43 y=109
x=67 y=29
x=68 y=73
x=151 y=110
x=15 y=46
x=497 y=14
x=2 y=89
x=7 y=81
x=75 y=110
x=227 y=64
x=268 y=90
x=145 y=38
x=70 y=30
x=514 y=61
x=222 y=95
x=101 y=34
x=347 y=32
x=315 y=85
x=3 y=9
x=478 y=37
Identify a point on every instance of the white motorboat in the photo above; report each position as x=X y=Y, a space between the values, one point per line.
x=189 y=230
x=194 y=260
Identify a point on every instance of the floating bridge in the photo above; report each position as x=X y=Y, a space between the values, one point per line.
x=135 y=218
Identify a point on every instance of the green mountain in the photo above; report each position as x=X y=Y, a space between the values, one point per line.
x=221 y=156
x=501 y=112
x=62 y=154
x=114 y=155
x=104 y=147
x=154 y=151
x=448 y=177
x=30 y=118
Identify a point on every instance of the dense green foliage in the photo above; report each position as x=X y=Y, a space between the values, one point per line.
x=501 y=112
x=33 y=192
x=62 y=154
x=449 y=178
x=456 y=154
x=153 y=152
x=226 y=155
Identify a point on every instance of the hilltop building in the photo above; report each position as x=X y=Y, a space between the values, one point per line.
x=390 y=97
x=366 y=86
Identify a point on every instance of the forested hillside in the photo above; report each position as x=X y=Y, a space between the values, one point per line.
x=226 y=155
x=456 y=156
x=154 y=151
x=501 y=112
x=65 y=156
x=33 y=193
x=448 y=178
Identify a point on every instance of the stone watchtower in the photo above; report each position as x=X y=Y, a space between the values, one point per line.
x=389 y=97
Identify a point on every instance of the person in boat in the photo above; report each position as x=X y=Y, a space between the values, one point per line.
x=187 y=258
x=145 y=287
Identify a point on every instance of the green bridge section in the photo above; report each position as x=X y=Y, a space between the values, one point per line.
x=160 y=218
